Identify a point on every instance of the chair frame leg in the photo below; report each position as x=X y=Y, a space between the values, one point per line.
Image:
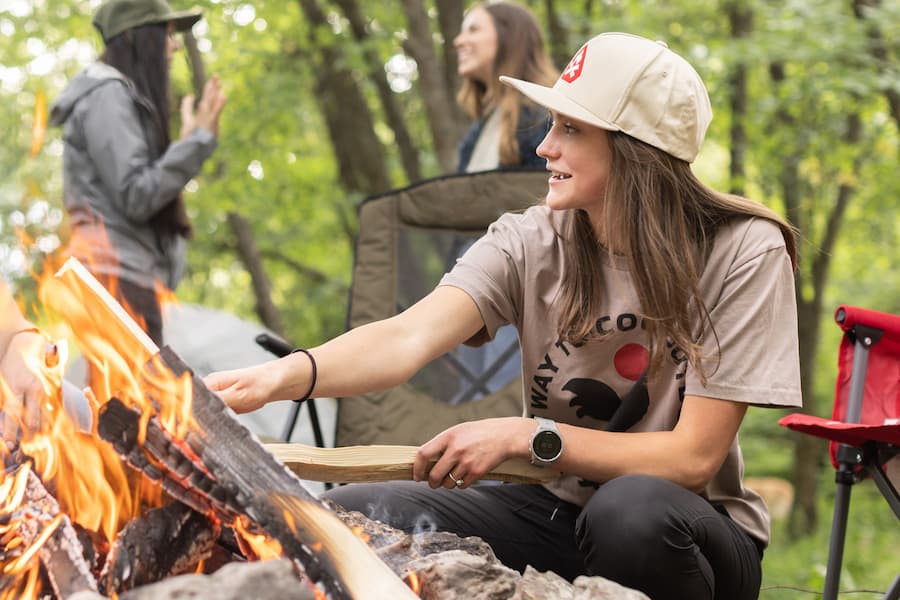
x=836 y=542
x=894 y=592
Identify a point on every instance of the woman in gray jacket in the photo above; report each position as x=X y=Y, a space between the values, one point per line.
x=122 y=175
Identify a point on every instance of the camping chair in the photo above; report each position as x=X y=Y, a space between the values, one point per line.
x=864 y=430
x=407 y=240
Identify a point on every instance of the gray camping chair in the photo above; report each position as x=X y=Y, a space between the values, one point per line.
x=408 y=239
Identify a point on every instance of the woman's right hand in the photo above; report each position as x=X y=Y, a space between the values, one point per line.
x=208 y=111
x=244 y=390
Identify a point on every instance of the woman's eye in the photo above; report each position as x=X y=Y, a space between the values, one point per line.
x=566 y=127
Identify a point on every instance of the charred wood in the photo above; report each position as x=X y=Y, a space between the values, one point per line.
x=160 y=543
x=165 y=460
x=38 y=520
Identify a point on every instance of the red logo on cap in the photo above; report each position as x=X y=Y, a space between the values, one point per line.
x=575 y=66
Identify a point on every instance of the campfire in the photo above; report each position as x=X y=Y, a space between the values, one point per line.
x=166 y=481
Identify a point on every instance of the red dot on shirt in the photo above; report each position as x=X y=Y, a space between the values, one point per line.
x=631 y=360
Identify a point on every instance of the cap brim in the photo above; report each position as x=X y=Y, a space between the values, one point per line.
x=554 y=100
x=184 y=19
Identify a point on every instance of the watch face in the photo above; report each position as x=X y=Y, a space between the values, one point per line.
x=547 y=445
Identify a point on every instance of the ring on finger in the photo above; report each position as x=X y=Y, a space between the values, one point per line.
x=456 y=482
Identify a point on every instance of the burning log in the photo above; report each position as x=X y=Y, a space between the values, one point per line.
x=165 y=541
x=232 y=472
x=30 y=521
x=352 y=464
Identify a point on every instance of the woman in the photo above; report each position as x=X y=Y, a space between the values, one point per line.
x=500 y=38
x=122 y=177
x=652 y=312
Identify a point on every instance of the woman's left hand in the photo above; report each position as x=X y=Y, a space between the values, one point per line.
x=465 y=452
x=22 y=390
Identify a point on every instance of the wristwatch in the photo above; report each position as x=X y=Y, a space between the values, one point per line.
x=546 y=442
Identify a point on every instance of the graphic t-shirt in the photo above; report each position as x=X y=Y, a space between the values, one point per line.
x=513 y=274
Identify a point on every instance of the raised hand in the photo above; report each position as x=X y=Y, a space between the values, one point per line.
x=208 y=110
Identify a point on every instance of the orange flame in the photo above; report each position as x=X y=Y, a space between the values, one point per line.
x=19 y=564
x=88 y=478
x=264 y=547
x=414 y=583
x=40 y=122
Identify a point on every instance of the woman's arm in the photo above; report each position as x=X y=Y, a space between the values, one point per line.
x=372 y=357
x=690 y=455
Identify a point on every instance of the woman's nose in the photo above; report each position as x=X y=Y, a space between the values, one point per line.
x=546 y=148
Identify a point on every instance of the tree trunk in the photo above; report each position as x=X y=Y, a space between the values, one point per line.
x=557 y=37
x=439 y=102
x=878 y=49
x=250 y=257
x=450 y=17
x=195 y=63
x=245 y=242
x=409 y=155
x=740 y=19
x=359 y=153
x=810 y=452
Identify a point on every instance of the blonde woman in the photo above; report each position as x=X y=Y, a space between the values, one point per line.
x=501 y=38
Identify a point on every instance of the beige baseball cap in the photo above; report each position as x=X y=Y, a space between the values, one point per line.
x=623 y=82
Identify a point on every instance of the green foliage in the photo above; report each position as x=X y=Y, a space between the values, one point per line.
x=793 y=570
x=276 y=168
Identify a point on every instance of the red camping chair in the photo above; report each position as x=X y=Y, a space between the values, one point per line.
x=864 y=429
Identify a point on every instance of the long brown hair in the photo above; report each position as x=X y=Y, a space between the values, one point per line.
x=520 y=54
x=664 y=220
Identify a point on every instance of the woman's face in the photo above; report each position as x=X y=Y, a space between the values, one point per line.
x=172 y=43
x=579 y=158
x=476 y=45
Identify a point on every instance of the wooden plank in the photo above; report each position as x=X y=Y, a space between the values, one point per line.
x=354 y=464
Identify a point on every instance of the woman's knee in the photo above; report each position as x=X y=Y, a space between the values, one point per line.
x=626 y=515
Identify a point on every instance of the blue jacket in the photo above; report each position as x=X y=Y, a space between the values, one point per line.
x=532 y=127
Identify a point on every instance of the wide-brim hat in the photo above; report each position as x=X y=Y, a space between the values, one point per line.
x=115 y=16
x=623 y=82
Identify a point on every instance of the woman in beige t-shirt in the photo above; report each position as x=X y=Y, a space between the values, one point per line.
x=652 y=311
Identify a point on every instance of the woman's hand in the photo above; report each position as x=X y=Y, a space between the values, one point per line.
x=469 y=450
x=208 y=111
x=22 y=391
x=244 y=390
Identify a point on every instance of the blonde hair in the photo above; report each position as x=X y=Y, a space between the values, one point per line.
x=520 y=54
x=665 y=221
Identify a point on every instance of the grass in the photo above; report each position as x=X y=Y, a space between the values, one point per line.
x=796 y=569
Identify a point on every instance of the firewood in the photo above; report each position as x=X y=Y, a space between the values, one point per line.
x=38 y=516
x=352 y=464
x=162 y=542
x=232 y=455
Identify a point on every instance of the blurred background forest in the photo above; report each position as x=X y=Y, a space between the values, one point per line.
x=331 y=101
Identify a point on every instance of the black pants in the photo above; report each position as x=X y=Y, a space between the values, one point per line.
x=640 y=531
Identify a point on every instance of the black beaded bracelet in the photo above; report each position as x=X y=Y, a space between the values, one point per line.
x=312 y=383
